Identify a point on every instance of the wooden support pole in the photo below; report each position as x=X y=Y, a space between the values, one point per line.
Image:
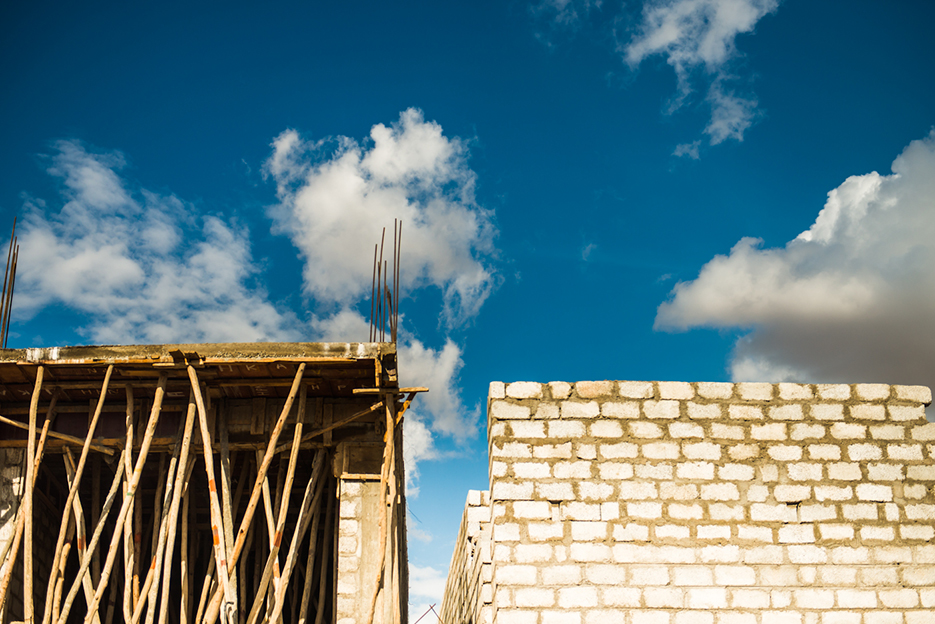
x=217 y=518
x=129 y=546
x=72 y=492
x=314 y=434
x=184 y=563
x=186 y=465
x=262 y=468
x=13 y=546
x=60 y=436
x=226 y=502
x=28 y=614
x=209 y=583
x=330 y=521
x=80 y=527
x=92 y=616
x=388 y=452
x=131 y=492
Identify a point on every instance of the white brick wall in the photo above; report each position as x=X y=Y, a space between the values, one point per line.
x=707 y=503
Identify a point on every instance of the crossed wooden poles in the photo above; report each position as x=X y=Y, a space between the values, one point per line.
x=93 y=577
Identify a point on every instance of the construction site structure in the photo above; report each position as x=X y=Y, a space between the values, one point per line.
x=197 y=483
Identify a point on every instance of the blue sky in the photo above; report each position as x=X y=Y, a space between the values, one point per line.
x=690 y=189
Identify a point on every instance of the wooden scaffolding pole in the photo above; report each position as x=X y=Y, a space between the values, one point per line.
x=28 y=614
x=72 y=492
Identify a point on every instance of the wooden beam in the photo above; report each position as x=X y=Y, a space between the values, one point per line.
x=28 y=614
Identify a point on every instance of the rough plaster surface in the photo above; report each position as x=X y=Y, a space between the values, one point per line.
x=702 y=503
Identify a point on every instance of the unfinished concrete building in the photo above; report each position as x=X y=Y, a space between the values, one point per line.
x=195 y=483
x=700 y=503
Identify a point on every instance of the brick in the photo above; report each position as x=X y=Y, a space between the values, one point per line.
x=715 y=390
x=632 y=532
x=566 y=429
x=782 y=452
x=516 y=575
x=554 y=491
x=848 y=431
x=616 y=597
x=836 y=531
x=786 y=412
x=561 y=617
x=781 y=617
x=917 y=532
x=707 y=598
x=661 y=409
x=649 y=617
x=761 y=512
x=867 y=412
x=532 y=509
x=743 y=451
x=678 y=491
x=610 y=511
x=532 y=470
x=695 y=470
x=914 y=491
x=728 y=432
x=797 y=534
x=802 y=431
x=920 y=512
x=806 y=554
x=773 y=431
x=635 y=490
x=924 y=433
x=685 y=430
x=874 y=492
x=749 y=599
x=635 y=389
x=644 y=429
x=528 y=429
x=844 y=472
x=545 y=531
x=582 y=531
x=559 y=575
x=658 y=472
x=702 y=450
x=628 y=409
x=792 y=391
x=501 y=410
x=623 y=450
x=572 y=470
x=827 y=412
x=856 y=599
x=864 y=452
x=804 y=471
x=888 y=432
x=837 y=392
x=663 y=597
x=547 y=411
x=720 y=554
x=603 y=574
x=885 y=472
x=530 y=553
x=560 y=389
x=769 y=472
x=755 y=391
x=672 y=531
x=574 y=409
x=661 y=450
x=860 y=511
x=792 y=493
x=615 y=470
x=906 y=412
x=693 y=617
x=496 y=390
x=524 y=390
x=921 y=473
x=736 y=472
x=908 y=452
x=817 y=513
x=586 y=451
x=704 y=411
x=720 y=491
x=675 y=390
x=841 y=617
x=504 y=490
x=755 y=533
x=546 y=451
x=713 y=531
x=684 y=511
x=813 y=598
x=595 y=490
x=644 y=510
x=594 y=389
x=918 y=394
x=577 y=597
x=876 y=533
x=744 y=412
x=721 y=511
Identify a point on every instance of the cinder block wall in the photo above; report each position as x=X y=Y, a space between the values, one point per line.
x=468 y=591
x=711 y=503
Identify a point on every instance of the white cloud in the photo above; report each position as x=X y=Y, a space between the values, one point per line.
x=691 y=150
x=566 y=12
x=850 y=299
x=698 y=37
x=427 y=586
x=335 y=197
x=142 y=267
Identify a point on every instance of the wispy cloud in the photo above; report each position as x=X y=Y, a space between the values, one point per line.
x=426 y=587
x=336 y=195
x=566 y=13
x=697 y=38
x=140 y=266
x=851 y=298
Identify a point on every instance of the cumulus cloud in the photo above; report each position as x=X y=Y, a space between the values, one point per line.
x=697 y=38
x=141 y=267
x=336 y=195
x=850 y=299
x=426 y=587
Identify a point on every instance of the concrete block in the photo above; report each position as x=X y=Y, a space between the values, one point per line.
x=561 y=575
x=551 y=451
x=528 y=428
x=659 y=472
x=874 y=492
x=701 y=450
x=496 y=390
x=524 y=390
x=797 y=534
x=800 y=471
x=675 y=390
x=610 y=470
x=917 y=532
x=848 y=431
x=672 y=531
x=755 y=391
x=774 y=431
x=532 y=553
x=572 y=470
x=872 y=392
x=631 y=532
x=843 y=471
x=706 y=598
x=763 y=512
x=699 y=411
x=661 y=450
x=888 y=432
x=830 y=532
x=586 y=552
x=726 y=432
x=636 y=389
x=695 y=470
x=813 y=598
x=743 y=451
x=516 y=575
x=502 y=410
x=915 y=492
x=713 y=531
x=827 y=411
x=787 y=412
x=782 y=452
x=594 y=389
x=586 y=451
x=603 y=574
x=865 y=452
x=918 y=394
x=559 y=390
x=856 y=598
x=576 y=409
x=532 y=509
x=512 y=449
x=580 y=511
x=802 y=431
x=792 y=493
x=720 y=491
x=744 y=412
x=904 y=452
x=617 y=597
x=920 y=512
x=715 y=390
x=906 y=412
x=623 y=450
x=757 y=493
x=735 y=472
x=663 y=597
x=867 y=412
x=644 y=510
x=661 y=409
x=753 y=533
x=681 y=511
x=554 y=491
x=595 y=490
x=824 y=451
x=678 y=491
x=627 y=409
x=546 y=411
x=835 y=392
x=920 y=473
x=506 y=490
x=924 y=433
x=805 y=554
x=817 y=513
x=877 y=534
x=566 y=429
x=860 y=511
x=635 y=490
x=685 y=430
